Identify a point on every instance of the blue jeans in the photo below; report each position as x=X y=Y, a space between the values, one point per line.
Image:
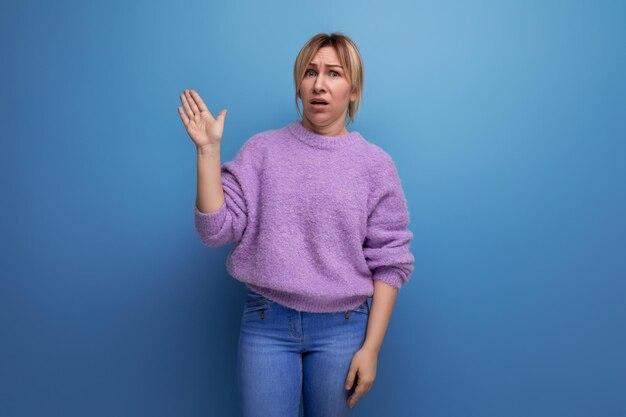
x=284 y=354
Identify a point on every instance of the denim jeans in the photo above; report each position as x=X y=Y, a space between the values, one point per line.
x=285 y=355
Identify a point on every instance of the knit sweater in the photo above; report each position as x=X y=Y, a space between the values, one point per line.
x=315 y=219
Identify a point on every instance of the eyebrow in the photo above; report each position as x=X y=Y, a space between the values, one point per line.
x=328 y=65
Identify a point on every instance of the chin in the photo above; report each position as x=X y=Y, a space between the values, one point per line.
x=319 y=118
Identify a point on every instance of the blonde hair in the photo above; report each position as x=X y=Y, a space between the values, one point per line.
x=349 y=58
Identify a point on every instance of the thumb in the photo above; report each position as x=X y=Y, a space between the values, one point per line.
x=222 y=115
x=351 y=376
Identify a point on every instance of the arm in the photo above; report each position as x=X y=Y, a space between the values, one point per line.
x=387 y=253
x=206 y=133
x=227 y=214
x=210 y=195
x=382 y=305
x=220 y=212
x=387 y=241
x=365 y=360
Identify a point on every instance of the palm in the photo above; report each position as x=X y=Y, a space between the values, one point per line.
x=203 y=128
x=200 y=124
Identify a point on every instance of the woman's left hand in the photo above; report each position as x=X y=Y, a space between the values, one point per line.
x=364 y=363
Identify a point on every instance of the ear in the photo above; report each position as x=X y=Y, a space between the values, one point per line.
x=353 y=95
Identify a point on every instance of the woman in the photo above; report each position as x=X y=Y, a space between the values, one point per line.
x=319 y=219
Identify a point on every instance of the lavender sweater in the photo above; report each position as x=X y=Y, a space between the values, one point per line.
x=315 y=219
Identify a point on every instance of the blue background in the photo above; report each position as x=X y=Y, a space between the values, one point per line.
x=507 y=122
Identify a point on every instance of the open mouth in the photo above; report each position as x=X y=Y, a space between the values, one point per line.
x=319 y=102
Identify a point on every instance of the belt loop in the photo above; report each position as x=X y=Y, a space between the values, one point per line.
x=347 y=314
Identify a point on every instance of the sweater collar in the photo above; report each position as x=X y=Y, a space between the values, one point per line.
x=323 y=142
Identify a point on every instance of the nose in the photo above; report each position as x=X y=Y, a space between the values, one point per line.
x=319 y=83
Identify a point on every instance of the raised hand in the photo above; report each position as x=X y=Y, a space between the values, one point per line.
x=202 y=127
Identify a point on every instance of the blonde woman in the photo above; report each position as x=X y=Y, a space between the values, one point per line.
x=319 y=221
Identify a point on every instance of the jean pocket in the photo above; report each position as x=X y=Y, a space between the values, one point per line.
x=255 y=302
x=364 y=308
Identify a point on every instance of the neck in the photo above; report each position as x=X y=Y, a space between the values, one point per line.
x=334 y=129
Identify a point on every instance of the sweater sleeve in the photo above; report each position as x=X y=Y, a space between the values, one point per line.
x=387 y=242
x=228 y=223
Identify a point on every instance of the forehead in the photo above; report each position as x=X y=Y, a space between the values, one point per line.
x=326 y=55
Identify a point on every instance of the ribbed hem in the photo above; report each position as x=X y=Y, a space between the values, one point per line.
x=388 y=274
x=321 y=141
x=210 y=222
x=300 y=302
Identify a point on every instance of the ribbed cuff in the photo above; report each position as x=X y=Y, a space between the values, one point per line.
x=388 y=274
x=210 y=222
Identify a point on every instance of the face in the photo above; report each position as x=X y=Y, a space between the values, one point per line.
x=325 y=79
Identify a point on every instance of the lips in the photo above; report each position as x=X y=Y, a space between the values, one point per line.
x=318 y=101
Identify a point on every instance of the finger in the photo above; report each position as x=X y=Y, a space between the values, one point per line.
x=198 y=100
x=183 y=116
x=183 y=98
x=359 y=392
x=352 y=400
x=221 y=116
x=351 y=376
x=356 y=395
x=192 y=102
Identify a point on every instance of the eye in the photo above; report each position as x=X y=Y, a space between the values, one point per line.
x=335 y=73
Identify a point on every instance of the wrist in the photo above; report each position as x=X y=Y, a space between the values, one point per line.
x=208 y=150
x=370 y=348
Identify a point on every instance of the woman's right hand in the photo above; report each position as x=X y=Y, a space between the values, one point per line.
x=202 y=128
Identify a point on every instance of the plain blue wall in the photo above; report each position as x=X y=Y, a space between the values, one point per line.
x=507 y=122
